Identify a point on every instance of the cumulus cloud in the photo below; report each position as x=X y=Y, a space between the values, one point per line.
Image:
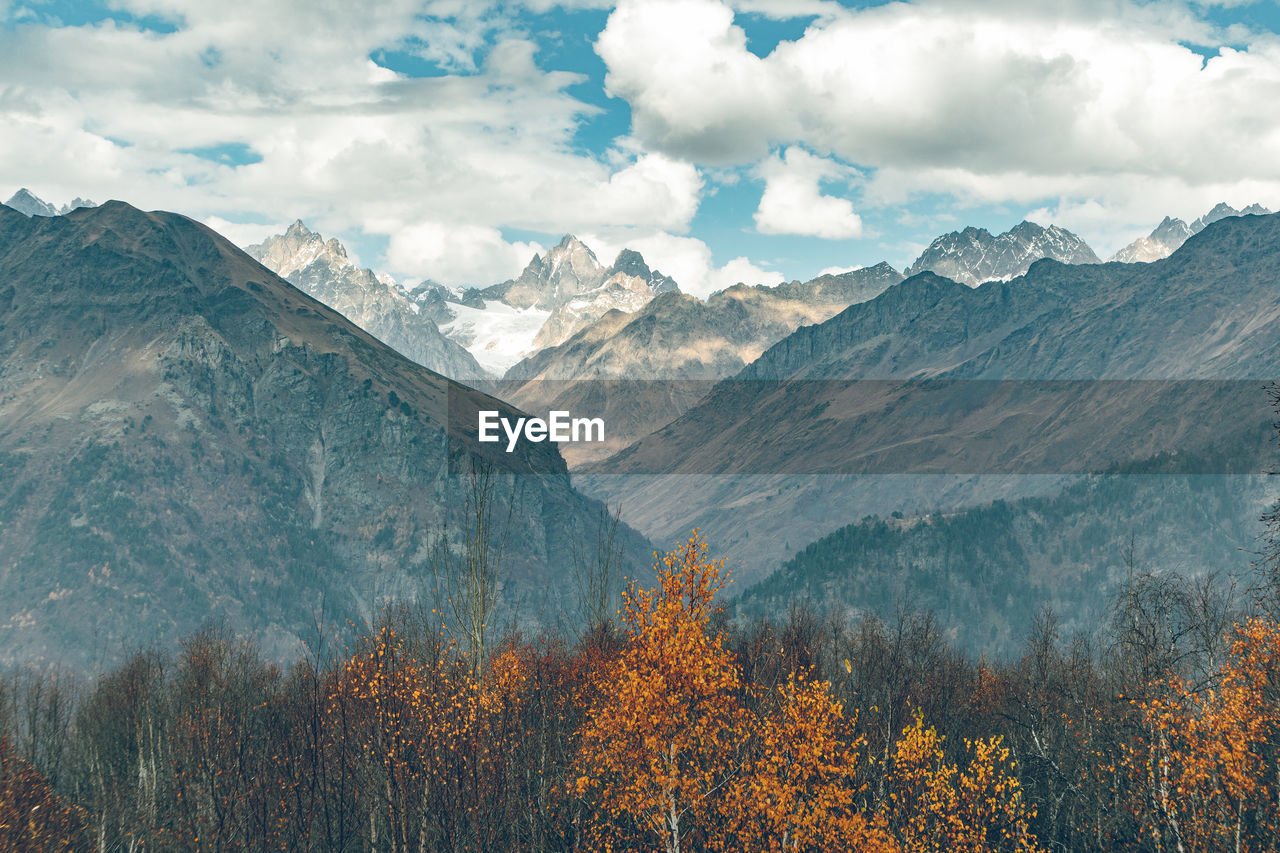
x=793 y=203
x=995 y=99
x=688 y=260
x=459 y=254
x=247 y=233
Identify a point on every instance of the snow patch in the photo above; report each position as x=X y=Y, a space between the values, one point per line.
x=498 y=335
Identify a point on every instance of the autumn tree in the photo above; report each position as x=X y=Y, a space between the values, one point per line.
x=798 y=790
x=662 y=742
x=936 y=806
x=1205 y=769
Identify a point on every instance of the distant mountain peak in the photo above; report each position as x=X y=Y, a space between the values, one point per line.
x=298 y=248
x=1171 y=233
x=26 y=202
x=631 y=262
x=1222 y=210
x=323 y=270
x=973 y=255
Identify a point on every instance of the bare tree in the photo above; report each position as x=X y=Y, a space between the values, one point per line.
x=595 y=566
x=466 y=572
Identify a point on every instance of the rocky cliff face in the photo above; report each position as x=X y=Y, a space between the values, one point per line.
x=974 y=255
x=322 y=270
x=185 y=436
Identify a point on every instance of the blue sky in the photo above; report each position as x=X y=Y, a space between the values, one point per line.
x=727 y=140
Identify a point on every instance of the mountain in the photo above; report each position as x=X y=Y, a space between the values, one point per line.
x=1222 y=210
x=1172 y=233
x=1160 y=243
x=28 y=203
x=571 y=284
x=680 y=341
x=322 y=270
x=185 y=436
x=973 y=255
x=936 y=395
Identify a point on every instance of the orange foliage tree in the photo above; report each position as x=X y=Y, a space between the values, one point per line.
x=1207 y=767
x=798 y=790
x=936 y=806
x=663 y=739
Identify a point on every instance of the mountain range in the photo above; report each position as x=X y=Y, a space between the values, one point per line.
x=776 y=450
x=26 y=202
x=187 y=432
x=642 y=370
x=1172 y=233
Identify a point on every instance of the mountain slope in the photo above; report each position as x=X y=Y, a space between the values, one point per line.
x=987 y=572
x=974 y=255
x=323 y=271
x=185 y=436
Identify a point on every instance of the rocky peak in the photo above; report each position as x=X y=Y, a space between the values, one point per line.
x=630 y=262
x=1171 y=233
x=298 y=248
x=630 y=268
x=299 y=232
x=26 y=202
x=1222 y=210
x=974 y=255
x=568 y=269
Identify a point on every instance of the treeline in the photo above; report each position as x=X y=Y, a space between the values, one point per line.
x=675 y=729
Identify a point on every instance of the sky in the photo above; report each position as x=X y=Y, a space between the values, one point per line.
x=726 y=140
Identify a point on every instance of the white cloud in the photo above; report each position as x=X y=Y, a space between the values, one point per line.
x=688 y=260
x=244 y=233
x=998 y=99
x=794 y=204
x=786 y=9
x=459 y=254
